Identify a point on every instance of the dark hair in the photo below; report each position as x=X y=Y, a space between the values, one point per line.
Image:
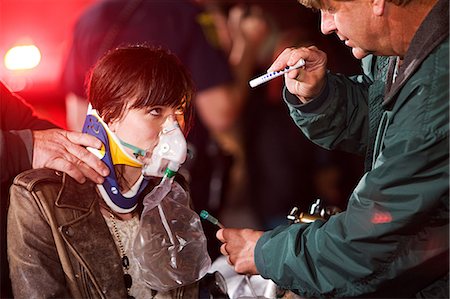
x=142 y=75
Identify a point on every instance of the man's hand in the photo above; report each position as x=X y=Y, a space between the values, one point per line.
x=306 y=82
x=65 y=151
x=239 y=246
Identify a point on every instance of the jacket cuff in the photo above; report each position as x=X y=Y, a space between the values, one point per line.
x=27 y=139
x=16 y=152
x=259 y=259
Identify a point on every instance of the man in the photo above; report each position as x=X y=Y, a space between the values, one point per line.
x=393 y=238
x=27 y=141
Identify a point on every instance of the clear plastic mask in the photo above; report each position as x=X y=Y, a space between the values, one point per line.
x=170 y=152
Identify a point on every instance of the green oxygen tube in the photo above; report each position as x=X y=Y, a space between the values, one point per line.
x=205 y=215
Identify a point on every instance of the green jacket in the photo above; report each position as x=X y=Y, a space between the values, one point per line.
x=393 y=238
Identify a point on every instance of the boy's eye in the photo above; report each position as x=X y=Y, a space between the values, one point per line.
x=155 y=111
x=180 y=110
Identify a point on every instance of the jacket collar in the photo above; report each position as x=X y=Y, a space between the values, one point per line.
x=432 y=32
x=84 y=193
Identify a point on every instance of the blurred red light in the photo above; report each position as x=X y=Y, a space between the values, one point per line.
x=24 y=57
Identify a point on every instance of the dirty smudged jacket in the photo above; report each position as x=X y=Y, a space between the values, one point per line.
x=59 y=245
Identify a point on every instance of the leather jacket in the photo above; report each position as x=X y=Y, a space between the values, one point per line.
x=59 y=244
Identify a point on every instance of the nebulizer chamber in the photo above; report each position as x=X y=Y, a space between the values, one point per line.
x=170 y=247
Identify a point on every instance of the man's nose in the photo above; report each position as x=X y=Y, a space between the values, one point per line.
x=327 y=25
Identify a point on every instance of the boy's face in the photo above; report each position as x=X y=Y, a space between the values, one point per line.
x=356 y=22
x=141 y=127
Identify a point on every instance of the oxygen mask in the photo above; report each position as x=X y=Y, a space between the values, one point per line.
x=169 y=153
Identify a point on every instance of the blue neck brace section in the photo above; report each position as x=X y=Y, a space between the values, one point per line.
x=116 y=201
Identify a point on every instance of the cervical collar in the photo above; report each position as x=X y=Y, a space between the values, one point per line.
x=112 y=153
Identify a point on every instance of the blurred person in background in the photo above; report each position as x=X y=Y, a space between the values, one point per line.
x=238 y=23
x=27 y=141
x=188 y=31
x=268 y=150
x=285 y=169
x=393 y=239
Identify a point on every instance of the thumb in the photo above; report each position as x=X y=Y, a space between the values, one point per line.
x=219 y=235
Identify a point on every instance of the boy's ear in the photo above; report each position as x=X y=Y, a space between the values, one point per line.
x=378 y=7
x=112 y=125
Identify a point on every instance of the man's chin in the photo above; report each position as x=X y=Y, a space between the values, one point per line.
x=359 y=53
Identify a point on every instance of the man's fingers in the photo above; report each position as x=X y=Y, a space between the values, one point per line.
x=65 y=151
x=229 y=261
x=61 y=164
x=223 y=250
x=82 y=154
x=219 y=235
x=230 y=258
x=89 y=172
x=289 y=57
x=86 y=140
x=281 y=61
x=227 y=234
x=295 y=56
x=83 y=139
x=77 y=169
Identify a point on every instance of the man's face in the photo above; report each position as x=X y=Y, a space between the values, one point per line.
x=354 y=22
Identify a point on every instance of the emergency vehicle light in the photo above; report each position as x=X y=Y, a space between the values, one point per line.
x=22 y=57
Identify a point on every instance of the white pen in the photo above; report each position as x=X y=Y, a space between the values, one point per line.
x=269 y=76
